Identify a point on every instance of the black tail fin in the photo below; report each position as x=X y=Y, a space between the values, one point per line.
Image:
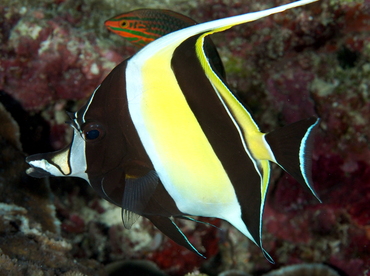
x=292 y=148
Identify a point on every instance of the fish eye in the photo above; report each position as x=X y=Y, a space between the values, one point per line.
x=123 y=23
x=93 y=132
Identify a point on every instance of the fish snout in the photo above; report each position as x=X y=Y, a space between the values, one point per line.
x=37 y=172
x=49 y=164
x=110 y=25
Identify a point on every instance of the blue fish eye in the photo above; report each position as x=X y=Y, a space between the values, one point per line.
x=93 y=131
x=92 y=134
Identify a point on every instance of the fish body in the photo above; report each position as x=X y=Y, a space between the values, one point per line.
x=164 y=137
x=143 y=26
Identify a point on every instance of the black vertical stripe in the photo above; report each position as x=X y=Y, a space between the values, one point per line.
x=220 y=132
x=120 y=152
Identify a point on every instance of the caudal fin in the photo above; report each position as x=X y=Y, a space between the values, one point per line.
x=292 y=148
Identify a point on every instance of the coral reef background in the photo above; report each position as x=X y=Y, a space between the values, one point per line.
x=309 y=61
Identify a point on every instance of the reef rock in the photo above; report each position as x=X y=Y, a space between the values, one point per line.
x=31 y=241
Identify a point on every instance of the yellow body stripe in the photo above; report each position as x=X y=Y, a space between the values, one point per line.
x=187 y=157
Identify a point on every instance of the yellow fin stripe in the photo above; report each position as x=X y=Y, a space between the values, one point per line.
x=251 y=134
x=266 y=177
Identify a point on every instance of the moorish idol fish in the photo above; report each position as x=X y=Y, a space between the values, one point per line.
x=140 y=27
x=163 y=137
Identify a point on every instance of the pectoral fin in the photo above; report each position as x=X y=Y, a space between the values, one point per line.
x=129 y=218
x=140 y=199
x=136 y=196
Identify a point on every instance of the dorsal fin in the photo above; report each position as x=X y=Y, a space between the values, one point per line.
x=172 y=40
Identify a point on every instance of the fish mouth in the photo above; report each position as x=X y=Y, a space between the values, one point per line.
x=112 y=25
x=109 y=25
x=35 y=171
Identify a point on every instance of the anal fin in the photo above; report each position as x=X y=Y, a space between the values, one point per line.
x=198 y=221
x=168 y=227
x=267 y=256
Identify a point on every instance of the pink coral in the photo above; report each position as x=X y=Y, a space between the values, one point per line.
x=48 y=60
